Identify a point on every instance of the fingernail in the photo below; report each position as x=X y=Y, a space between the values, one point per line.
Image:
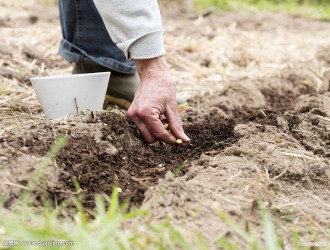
x=187 y=138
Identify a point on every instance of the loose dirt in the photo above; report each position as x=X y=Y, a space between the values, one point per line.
x=106 y=149
x=258 y=119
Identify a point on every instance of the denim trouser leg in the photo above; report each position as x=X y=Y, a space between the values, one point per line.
x=85 y=38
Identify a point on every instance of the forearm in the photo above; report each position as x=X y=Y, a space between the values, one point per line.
x=148 y=67
x=135 y=26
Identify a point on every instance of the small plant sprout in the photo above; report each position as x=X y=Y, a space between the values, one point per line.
x=166 y=126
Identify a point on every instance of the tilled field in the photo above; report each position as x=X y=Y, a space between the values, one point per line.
x=259 y=125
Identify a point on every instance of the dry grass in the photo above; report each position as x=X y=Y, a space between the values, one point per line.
x=203 y=54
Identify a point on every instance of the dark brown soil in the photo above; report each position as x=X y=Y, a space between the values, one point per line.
x=116 y=156
x=134 y=168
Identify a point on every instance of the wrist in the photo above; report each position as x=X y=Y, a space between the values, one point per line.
x=146 y=68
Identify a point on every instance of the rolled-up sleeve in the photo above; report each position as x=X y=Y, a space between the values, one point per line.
x=135 y=26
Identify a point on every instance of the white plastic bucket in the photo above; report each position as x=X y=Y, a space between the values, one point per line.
x=61 y=96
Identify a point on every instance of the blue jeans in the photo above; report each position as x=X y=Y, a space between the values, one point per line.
x=85 y=38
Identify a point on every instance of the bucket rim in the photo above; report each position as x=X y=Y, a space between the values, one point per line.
x=68 y=76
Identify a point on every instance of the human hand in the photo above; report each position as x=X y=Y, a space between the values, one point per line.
x=154 y=98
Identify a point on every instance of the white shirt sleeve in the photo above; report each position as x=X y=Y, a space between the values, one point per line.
x=135 y=26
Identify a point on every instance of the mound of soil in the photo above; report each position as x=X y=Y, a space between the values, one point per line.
x=105 y=149
x=279 y=158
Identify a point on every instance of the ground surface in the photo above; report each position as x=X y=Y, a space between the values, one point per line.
x=258 y=120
